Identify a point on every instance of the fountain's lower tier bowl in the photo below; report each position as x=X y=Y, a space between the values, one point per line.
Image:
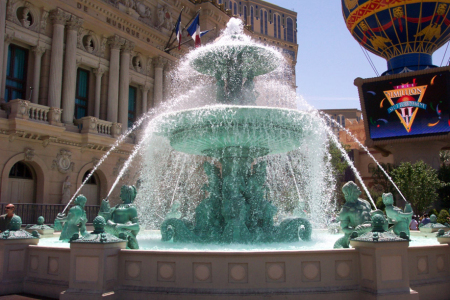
x=230 y=131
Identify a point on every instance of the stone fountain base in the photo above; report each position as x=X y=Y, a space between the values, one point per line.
x=98 y=272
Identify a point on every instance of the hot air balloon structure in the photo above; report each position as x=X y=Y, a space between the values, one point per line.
x=405 y=33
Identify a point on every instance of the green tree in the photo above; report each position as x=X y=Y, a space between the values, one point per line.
x=339 y=165
x=379 y=177
x=419 y=183
x=444 y=176
x=442 y=217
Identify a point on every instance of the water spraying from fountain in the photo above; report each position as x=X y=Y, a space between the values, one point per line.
x=368 y=153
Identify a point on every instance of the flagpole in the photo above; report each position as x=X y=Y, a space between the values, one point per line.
x=168 y=50
x=169 y=44
x=173 y=30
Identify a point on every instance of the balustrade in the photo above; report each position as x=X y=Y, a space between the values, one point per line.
x=38 y=112
x=24 y=109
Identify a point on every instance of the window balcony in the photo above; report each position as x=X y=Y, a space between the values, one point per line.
x=25 y=119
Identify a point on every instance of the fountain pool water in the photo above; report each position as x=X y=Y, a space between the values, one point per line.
x=320 y=240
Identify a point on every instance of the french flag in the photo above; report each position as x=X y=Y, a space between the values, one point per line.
x=178 y=32
x=194 y=31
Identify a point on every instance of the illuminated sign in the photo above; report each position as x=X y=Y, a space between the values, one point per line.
x=409 y=106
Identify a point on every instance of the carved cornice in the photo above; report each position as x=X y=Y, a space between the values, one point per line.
x=74 y=23
x=116 y=42
x=58 y=16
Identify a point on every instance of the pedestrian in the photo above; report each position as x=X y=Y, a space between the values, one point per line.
x=414 y=224
x=426 y=219
x=6 y=218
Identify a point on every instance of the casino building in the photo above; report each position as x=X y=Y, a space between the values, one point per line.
x=75 y=74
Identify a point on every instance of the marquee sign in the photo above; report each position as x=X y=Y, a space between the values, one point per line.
x=409 y=106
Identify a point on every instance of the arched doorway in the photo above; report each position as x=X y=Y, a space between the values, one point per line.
x=22 y=183
x=91 y=190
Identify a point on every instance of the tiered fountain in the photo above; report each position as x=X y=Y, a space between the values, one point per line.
x=236 y=210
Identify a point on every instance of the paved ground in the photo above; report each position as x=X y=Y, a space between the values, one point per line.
x=22 y=297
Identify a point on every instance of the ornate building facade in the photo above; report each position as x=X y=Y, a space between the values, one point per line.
x=75 y=74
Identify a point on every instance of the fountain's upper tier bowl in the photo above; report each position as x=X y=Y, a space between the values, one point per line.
x=250 y=59
x=230 y=131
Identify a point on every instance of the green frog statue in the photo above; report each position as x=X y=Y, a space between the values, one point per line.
x=400 y=218
x=355 y=215
x=122 y=220
x=75 y=221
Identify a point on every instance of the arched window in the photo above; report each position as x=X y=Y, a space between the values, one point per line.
x=235 y=8
x=251 y=18
x=231 y=5
x=290 y=30
x=275 y=26
x=261 y=21
x=21 y=184
x=265 y=22
x=245 y=15
x=20 y=170
x=295 y=32
x=279 y=27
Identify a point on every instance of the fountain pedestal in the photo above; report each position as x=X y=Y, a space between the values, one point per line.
x=384 y=271
x=94 y=261
x=13 y=255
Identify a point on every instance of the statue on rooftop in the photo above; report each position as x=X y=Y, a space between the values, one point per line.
x=354 y=215
x=75 y=221
x=400 y=219
x=122 y=220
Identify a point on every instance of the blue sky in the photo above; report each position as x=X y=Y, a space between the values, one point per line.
x=329 y=59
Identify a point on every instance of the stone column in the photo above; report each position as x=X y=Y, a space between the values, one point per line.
x=115 y=43
x=59 y=18
x=98 y=87
x=124 y=84
x=2 y=41
x=7 y=41
x=70 y=70
x=158 y=87
x=167 y=93
x=144 y=89
x=38 y=51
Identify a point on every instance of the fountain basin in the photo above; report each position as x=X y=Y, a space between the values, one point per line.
x=235 y=131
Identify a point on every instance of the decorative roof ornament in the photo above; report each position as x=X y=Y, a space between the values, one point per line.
x=379 y=233
x=15 y=232
x=98 y=236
